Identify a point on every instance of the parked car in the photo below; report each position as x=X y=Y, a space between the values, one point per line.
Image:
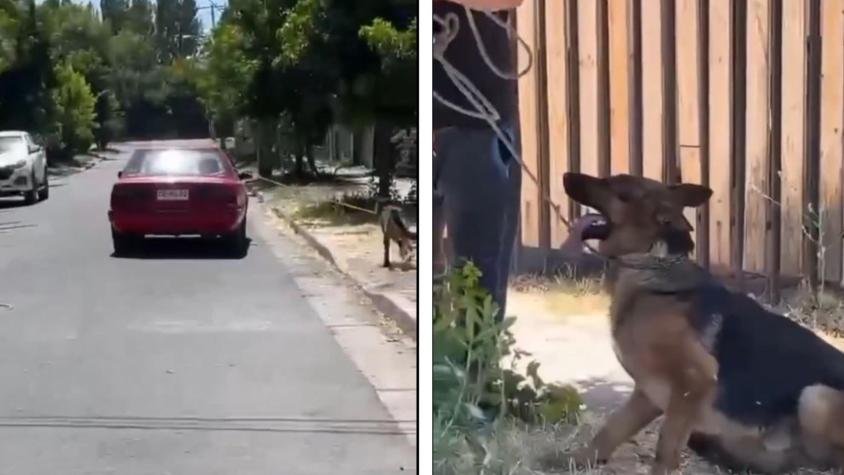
x=23 y=167
x=178 y=192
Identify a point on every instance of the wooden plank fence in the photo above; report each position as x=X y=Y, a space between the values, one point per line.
x=744 y=96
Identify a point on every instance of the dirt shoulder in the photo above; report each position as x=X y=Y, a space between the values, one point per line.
x=351 y=240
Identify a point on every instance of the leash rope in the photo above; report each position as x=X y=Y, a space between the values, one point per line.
x=334 y=201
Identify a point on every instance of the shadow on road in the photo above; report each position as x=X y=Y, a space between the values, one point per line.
x=6 y=203
x=183 y=248
x=403 y=266
x=13 y=225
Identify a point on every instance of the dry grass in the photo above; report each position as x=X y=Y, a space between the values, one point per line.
x=520 y=450
x=564 y=296
x=326 y=213
x=823 y=312
x=515 y=449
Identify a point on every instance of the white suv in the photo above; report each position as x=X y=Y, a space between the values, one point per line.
x=23 y=167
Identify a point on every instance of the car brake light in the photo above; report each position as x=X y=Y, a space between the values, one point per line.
x=122 y=195
x=227 y=195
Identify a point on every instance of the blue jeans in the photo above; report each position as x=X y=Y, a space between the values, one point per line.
x=477 y=191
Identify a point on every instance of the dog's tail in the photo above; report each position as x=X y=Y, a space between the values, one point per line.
x=395 y=216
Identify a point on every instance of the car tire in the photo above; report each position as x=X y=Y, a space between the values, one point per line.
x=124 y=244
x=237 y=241
x=30 y=197
x=44 y=192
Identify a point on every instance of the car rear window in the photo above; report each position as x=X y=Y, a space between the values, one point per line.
x=175 y=163
x=8 y=144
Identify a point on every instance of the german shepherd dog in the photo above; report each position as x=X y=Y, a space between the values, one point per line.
x=744 y=387
x=393 y=228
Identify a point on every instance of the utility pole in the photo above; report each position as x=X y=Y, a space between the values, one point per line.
x=213 y=7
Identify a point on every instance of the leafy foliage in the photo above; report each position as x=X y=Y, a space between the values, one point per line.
x=396 y=48
x=295 y=67
x=109 y=119
x=125 y=57
x=74 y=111
x=300 y=26
x=470 y=385
x=176 y=29
x=25 y=98
x=225 y=74
x=10 y=16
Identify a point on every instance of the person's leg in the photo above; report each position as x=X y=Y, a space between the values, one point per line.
x=512 y=210
x=438 y=251
x=476 y=181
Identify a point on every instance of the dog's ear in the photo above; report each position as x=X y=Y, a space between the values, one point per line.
x=688 y=195
x=587 y=190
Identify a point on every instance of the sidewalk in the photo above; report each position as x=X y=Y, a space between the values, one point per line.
x=80 y=163
x=352 y=242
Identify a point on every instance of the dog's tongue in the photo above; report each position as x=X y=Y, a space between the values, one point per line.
x=591 y=226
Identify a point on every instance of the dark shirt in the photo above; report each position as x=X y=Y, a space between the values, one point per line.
x=463 y=54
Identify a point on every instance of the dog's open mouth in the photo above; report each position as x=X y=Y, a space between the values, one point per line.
x=598 y=228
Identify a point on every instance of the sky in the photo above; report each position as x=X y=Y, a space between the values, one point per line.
x=204 y=13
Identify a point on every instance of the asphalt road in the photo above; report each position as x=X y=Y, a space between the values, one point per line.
x=182 y=361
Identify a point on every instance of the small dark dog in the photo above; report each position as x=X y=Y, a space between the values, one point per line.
x=744 y=387
x=394 y=228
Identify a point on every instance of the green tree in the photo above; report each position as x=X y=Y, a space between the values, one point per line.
x=139 y=18
x=115 y=12
x=177 y=29
x=10 y=17
x=116 y=54
x=26 y=82
x=313 y=63
x=78 y=37
x=74 y=110
x=371 y=48
x=258 y=23
x=223 y=76
x=109 y=119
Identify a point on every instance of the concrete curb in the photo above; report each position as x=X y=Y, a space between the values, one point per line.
x=68 y=170
x=393 y=305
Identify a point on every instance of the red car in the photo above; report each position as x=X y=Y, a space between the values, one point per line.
x=178 y=192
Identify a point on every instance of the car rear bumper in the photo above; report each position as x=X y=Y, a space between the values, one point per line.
x=174 y=224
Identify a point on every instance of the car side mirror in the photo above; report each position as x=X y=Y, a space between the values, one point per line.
x=244 y=176
x=120 y=174
x=34 y=149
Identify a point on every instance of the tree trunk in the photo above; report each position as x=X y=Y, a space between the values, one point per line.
x=264 y=147
x=357 y=146
x=311 y=161
x=384 y=159
x=300 y=157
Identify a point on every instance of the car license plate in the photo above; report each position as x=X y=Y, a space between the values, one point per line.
x=172 y=195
